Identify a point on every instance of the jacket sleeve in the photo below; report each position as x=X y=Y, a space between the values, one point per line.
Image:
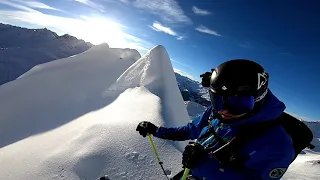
x=269 y=163
x=188 y=132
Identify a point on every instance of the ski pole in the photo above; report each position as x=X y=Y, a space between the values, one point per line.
x=187 y=170
x=185 y=174
x=156 y=153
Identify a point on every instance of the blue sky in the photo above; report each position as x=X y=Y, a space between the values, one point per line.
x=198 y=35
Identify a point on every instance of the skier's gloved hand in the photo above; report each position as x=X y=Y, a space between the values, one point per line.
x=146 y=128
x=192 y=155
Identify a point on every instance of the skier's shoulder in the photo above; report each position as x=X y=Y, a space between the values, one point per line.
x=277 y=136
x=275 y=144
x=274 y=148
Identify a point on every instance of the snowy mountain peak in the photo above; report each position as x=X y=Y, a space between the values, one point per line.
x=67 y=37
x=192 y=90
x=13 y=36
x=45 y=31
x=21 y=49
x=88 y=128
x=187 y=83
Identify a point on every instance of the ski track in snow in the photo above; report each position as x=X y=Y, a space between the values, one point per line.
x=75 y=118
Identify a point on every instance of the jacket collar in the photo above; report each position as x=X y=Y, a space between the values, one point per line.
x=270 y=110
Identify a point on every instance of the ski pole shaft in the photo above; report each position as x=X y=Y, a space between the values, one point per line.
x=154 y=148
x=156 y=153
x=185 y=173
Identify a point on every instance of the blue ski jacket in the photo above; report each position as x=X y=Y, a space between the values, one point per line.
x=269 y=155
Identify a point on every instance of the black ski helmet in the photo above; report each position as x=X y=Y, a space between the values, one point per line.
x=240 y=77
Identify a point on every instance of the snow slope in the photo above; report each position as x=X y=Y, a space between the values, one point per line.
x=187 y=83
x=75 y=118
x=22 y=48
x=306 y=166
x=192 y=90
x=315 y=128
x=194 y=109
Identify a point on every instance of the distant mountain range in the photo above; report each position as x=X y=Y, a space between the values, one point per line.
x=22 y=48
x=192 y=90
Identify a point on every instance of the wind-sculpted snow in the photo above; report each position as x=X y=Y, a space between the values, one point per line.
x=75 y=118
x=55 y=93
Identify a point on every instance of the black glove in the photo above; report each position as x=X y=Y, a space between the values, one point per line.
x=146 y=128
x=205 y=79
x=192 y=155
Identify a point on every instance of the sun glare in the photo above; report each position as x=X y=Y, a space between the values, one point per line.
x=98 y=30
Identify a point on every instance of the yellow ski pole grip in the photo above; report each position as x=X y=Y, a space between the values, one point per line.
x=186 y=172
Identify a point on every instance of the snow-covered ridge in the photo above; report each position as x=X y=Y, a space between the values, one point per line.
x=14 y=36
x=315 y=128
x=22 y=48
x=186 y=83
x=75 y=118
x=194 y=109
x=192 y=90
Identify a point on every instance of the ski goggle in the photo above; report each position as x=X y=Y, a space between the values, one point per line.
x=236 y=105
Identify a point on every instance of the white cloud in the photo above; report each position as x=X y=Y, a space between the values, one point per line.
x=184 y=74
x=183 y=64
x=206 y=30
x=17 y=6
x=246 y=45
x=138 y=43
x=36 y=4
x=200 y=12
x=168 y=10
x=180 y=38
x=92 y=4
x=125 y=1
x=93 y=29
x=27 y=5
x=161 y=28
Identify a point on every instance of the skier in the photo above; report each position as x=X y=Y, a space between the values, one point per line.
x=240 y=97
